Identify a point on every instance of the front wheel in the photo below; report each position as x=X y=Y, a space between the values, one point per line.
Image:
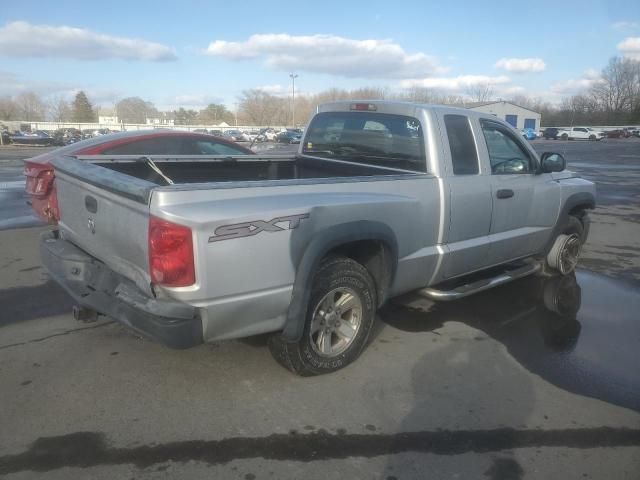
x=564 y=136
x=339 y=318
x=566 y=249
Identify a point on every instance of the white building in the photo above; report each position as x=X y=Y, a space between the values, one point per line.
x=164 y=118
x=107 y=120
x=107 y=116
x=519 y=117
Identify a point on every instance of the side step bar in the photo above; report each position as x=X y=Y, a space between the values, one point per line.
x=479 y=285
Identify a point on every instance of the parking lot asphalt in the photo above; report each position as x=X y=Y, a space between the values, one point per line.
x=536 y=379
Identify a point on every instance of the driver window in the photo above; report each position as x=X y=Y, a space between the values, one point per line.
x=506 y=154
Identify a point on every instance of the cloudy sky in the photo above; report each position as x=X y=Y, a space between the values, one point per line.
x=191 y=53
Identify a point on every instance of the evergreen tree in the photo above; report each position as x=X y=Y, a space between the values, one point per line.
x=82 y=111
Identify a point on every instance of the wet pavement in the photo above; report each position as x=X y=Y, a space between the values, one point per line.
x=537 y=379
x=581 y=332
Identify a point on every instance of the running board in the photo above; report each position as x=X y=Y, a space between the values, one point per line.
x=479 y=285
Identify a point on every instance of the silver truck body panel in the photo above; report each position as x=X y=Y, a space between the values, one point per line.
x=445 y=225
x=256 y=288
x=116 y=233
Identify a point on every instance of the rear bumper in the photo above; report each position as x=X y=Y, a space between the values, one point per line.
x=94 y=285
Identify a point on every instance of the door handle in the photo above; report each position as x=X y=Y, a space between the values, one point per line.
x=505 y=193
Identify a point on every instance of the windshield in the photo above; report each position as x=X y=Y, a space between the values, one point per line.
x=367 y=137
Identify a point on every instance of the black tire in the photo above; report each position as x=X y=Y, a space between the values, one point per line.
x=573 y=227
x=592 y=137
x=564 y=136
x=302 y=357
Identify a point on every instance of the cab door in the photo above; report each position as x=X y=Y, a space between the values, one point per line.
x=525 y=202
x=469 y=189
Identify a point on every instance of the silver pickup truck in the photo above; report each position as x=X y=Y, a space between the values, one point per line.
x=382 y=198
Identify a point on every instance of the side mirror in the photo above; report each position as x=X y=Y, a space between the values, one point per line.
x=552 y=162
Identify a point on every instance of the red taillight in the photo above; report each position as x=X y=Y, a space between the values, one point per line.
x=170 y=254
x=40 y=184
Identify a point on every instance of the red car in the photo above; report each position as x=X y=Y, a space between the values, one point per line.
x=40 y=186
x=621 y=133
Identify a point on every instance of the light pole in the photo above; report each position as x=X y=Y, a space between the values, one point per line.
x=293 y=98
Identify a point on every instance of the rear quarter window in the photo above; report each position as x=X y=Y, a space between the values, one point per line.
x=464 y=155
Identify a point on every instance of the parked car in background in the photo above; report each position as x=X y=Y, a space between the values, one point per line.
x=582 y=133
x=39 y=138
x=288 y=136
x=253 y=135
x=66 y=136
x=550 y=133
x=236 y=135
x=217 y=133
x=529 y=133
x=89 y=132
x=618 y=133
x=267 y=135
x=40 y=186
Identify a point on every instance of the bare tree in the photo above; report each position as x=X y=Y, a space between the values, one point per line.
x=59 y=109
x=215 y=113
x=618 y=90
x=482 y=92
x=257 y=107
x=8 y=109
x=30 y=107
x=135 y=110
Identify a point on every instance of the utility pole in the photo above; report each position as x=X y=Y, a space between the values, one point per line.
x=293 y=98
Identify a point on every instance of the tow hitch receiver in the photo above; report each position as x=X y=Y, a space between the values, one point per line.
x=83 y=314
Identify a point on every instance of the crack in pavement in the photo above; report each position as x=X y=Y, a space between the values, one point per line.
x=90 y=449
x=66 y=332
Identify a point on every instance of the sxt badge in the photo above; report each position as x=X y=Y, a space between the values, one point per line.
x=249 y=229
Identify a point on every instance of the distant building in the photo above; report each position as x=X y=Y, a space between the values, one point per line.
x=107 y=116
x=163 y=118
x=517 y=116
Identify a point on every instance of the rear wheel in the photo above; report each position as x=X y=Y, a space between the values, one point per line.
x=340 y=315
x=565 y=252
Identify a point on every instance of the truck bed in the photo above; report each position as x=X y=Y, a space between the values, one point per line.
x=189 y=169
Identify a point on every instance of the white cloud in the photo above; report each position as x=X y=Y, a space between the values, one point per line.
x=624 y=25
x=512 y=90
x=458 y=83
x=576 y=85
x=329 y=54
x=22 y=39
x=630 y=47
x=521 y=65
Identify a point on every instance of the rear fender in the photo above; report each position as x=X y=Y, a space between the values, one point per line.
x=323 y=242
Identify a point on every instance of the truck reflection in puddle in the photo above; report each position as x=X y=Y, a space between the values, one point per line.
x=580 y=333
